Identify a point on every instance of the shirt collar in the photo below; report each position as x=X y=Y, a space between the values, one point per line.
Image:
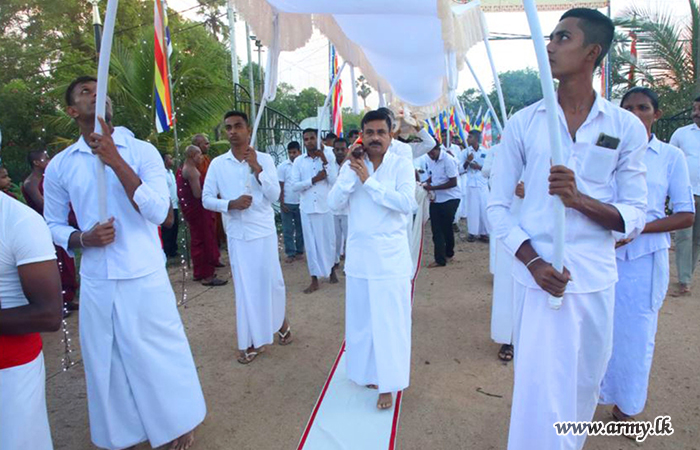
x=600 y=105
x=655 y=144
x=119 y=136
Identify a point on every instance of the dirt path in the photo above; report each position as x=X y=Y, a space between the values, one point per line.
x=454 y=367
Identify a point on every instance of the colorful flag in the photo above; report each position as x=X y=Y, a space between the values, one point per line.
x=163 y=48
x=337 y=98
x=633 y=53
x=488 y=136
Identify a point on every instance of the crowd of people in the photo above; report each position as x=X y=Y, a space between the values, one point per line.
x=352 y=201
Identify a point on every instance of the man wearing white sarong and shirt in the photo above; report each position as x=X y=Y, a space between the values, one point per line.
x=30 y=303
x=561 y=355
x=643 y=266
x=242 y=184
x=313 y=175
x=340 y=218
x=477 y=188
x=142 y=383
x=378 y=187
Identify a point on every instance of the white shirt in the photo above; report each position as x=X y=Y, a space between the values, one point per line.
x=70 y=179
x=688 y=139
x=616 y=177
x=401 y=149
x=474 y=176
x=313 y=197
x=440 y=173
x=172 y=187
x=667 y=176
x=421 y=163
x=344 y=211
x=427 y=143
x=24 y=239
x=378 y=214
x=284 y=175
x=227 y=179
x=488 y=162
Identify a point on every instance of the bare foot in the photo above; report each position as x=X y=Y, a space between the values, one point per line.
x=313 y=287
x=290 y=259
x=334 y=277
x=183 y=442
x=433 y=265
x=286 y=335
x=682 y=291
x=385 y=401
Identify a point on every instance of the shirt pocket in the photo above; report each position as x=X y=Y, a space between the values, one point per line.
x=595 y=164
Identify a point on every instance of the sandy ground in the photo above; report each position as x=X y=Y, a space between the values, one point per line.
x=266 y=405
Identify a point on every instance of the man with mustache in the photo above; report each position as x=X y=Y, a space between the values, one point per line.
x=378 y=189
x=242 y=185
x=688 y=240
x=142 y=383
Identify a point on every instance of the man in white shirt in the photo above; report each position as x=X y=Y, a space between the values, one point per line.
x=30 y=303
x=340 y=151
x=378 y=188
x=242 y=184
x=142 y=382
x=313 y=176
x=477 y=187
x=561 y=354
x=289 y=207
x=170 y=233
x=443 y=183
x=688 y=240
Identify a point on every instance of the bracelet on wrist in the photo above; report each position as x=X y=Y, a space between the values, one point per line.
x=527 y=266
x=80 y=238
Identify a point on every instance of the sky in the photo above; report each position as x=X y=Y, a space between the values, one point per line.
x=308 y=66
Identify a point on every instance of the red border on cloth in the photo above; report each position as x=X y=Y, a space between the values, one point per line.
x=399 y=395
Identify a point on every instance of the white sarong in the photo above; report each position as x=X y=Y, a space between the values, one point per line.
x=24 y=422
x=341 y=235
x=378 y=332
x=560 y=359
x=319 y=242
x=626 y=381
x=260 y=291
x=142 y=383
x=476 y=210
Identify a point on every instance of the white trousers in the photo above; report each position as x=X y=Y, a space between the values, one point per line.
x=378 y=332
x=260 y=292
x=142 y=382
x=503 y=306
x=476 y=210
x=341 y=235
x=319 y=242
x=627 y=379
x=560 y=359
x=462 y=183
x=24 y=422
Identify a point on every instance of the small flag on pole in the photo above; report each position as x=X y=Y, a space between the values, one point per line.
x=337 y=116
x=163 y=48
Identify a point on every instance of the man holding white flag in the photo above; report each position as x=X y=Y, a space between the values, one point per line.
x=561 y=355
x=142 y=383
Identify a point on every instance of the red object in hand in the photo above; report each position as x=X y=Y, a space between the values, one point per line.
x=357 y=152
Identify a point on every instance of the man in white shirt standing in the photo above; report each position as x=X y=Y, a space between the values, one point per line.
x=688 y=240
x=561 y=354
x=142 y=382
x=477 y=188
x=340 y=151
x=443 y=182
x=313 y=176
x=289 y=205
x=30 y=303
x=242 y=184
x=378 y=188
x=170 y=233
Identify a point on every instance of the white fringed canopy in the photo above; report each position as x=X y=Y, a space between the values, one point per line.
x=411 y=50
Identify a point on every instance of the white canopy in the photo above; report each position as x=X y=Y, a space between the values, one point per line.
x=404 y=49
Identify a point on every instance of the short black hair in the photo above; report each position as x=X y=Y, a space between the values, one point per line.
x=34 y=155
x=331 y=136
x=377 y=114
x=310 y=130
x=475 y=133
x=653 y=97
x=340 y=141
x=353 y=131
x=597 y=28
x=697 y=99
x=388 y=112
x=294 y=145
x=240 y=114
x=73 y=84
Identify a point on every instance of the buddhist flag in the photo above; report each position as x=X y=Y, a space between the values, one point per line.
x=488 y=136
x=163 y=48
x=337 y=115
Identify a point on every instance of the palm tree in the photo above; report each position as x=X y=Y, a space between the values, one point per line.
x=668 y=51
x=363 y=89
